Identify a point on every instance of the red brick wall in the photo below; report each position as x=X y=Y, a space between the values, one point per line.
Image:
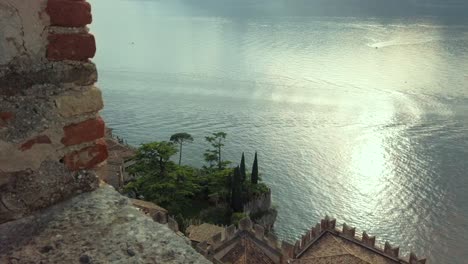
x=76 y=46
x=51 y=134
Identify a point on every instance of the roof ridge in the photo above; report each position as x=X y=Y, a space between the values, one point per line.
x=349 y=233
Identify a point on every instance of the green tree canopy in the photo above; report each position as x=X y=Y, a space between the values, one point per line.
x=213 y=156
x=155 y=155
x=181 y=138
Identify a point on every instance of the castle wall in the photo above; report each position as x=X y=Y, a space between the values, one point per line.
x=51 y=135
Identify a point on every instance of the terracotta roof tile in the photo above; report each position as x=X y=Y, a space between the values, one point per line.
x=203 y=232
x=331 y=246
x=246 y=252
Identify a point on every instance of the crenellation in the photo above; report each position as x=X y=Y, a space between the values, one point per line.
x=287 y=250
x=368 y=240
x=229 y=232
x=327 y=223
x=348 y=231
x=305 y=239
x=245 y=224
x=413 y=259
x=391 y=251
x=272 y=240
x=216 y=241
x=297 y=247
x=259 y=231
x=315 y=231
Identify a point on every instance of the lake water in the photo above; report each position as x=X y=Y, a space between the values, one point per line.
x=361 y=117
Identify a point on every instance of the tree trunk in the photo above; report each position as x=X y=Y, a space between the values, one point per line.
x=161 y=166
x=219 y=156
x=180 y=153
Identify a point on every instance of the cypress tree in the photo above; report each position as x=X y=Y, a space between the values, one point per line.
x=242 y=168
x=255 y=170
x=236 y=198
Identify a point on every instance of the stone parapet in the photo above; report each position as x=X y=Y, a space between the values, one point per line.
x=100 y=226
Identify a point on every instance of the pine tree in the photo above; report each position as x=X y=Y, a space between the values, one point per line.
x=236 y=196
x=181 y=138
x=242 y=168
x=255 y=170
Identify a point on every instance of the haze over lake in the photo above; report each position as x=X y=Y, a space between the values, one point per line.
x=358 y=109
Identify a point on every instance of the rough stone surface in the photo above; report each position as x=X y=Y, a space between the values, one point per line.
x=22 y=31
x=74 y=104
x=15 y=80
x=26 y=191
x=97 y=227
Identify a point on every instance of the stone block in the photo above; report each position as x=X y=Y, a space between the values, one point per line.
x=71 y=105
x=13 y=83
x=85 y=131
x=67 y=13
x=78 y=47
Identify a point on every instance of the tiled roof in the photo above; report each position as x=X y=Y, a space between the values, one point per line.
x=203 y=232
x=331 y=247
x=248 y=244
x=323 y=244
x=246 y=251
x=338 y=259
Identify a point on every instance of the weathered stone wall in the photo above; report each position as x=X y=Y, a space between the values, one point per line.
x=97 y=227
x=51 y=135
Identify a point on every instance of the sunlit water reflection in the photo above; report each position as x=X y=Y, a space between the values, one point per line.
x=361 y=119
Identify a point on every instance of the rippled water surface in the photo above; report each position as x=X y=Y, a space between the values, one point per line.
x=361 y=118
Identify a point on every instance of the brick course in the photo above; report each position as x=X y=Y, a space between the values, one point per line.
x=85 y=131
x=69 y=13
x=87 y=158
x=78 y=47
